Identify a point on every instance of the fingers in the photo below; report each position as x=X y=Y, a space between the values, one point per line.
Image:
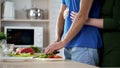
x=49 y=49
x=65 y=13
x=54 y=46
x=73 y=15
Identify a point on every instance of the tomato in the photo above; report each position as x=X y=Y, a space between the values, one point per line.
x=50 y=56
x=57 y=56
x=27 y=50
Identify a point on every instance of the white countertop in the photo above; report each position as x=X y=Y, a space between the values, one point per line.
x=44 y=64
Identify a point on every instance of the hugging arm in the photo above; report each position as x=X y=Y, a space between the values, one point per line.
x=111 y=24
x=106 y=23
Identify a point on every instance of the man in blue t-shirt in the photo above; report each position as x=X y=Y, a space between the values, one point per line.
x=80 y=41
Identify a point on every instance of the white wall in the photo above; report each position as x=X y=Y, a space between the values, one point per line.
x=54 y=10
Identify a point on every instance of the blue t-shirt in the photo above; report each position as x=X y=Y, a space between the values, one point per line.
x=88 y=36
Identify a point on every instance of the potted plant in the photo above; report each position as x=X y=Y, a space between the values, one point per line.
x=3 y=38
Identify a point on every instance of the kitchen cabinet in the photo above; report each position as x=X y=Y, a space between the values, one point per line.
x=21 y=16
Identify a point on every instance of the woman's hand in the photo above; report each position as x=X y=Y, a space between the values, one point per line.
x=54 y=46
x=73 y=15
x=65 y=13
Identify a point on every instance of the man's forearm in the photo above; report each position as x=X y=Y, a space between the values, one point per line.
x=60 y=24
x=75 y=28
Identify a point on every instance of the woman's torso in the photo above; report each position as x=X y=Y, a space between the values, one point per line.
x=111 y=37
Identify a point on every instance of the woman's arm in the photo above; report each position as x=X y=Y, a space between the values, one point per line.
x=111 y=24
x=95 y=22
x=106 y=23
x=91 y=21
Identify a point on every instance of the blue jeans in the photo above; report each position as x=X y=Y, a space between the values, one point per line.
x=83 y=55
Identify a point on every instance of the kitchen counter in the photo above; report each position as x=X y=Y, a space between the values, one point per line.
x=45 y=64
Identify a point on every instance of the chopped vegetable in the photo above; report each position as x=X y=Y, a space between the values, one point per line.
x=42 y=55
x=50 y=55
x=21 y=55
x=25 y=54
x=27 y=50
x=57 y=56
x=36 y=49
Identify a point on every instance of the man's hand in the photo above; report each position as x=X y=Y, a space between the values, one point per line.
x=54 y=46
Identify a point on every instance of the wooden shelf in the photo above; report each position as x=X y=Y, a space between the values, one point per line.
x=25 y=20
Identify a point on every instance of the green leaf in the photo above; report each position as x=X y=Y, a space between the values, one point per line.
x=2 y=36
x=36 y=49
x=0 y=46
